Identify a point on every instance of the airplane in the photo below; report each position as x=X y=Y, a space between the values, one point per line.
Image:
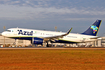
x=42 y=36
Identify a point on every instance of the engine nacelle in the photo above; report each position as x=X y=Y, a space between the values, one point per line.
x=37 y=41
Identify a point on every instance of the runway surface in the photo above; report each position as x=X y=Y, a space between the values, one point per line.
x=96 y=48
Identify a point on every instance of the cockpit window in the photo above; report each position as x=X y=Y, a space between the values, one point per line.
x=9 y=30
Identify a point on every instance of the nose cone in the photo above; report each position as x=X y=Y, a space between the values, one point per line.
x=3 y=33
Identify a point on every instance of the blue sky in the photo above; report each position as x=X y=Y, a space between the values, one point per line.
x=46 y=14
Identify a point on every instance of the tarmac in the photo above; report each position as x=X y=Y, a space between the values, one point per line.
x=58 y=48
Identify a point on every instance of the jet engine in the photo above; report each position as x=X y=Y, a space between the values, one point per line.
x=37 y=41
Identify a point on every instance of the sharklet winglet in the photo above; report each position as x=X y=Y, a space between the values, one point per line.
x=69 y=31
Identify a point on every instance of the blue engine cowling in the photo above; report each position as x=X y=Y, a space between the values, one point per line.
x=37 y=41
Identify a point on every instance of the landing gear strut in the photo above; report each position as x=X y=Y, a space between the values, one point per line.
x=14 y=42
x=45 y=44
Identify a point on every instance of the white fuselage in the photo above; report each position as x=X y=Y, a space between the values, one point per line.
x=25 y=33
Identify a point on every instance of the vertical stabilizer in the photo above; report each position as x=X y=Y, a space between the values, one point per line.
x=93 y=29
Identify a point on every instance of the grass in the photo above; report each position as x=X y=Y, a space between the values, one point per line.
x=52 y=59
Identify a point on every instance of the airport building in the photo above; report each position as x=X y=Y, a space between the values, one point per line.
x=22 y=43
x=12 y=42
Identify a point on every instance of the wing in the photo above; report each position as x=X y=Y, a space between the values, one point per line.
x=56 y=37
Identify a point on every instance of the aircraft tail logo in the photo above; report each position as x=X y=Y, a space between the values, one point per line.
x=95 y=28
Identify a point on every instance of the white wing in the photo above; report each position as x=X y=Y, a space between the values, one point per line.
x=56 y=37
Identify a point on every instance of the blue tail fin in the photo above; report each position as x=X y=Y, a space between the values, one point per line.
x=93 y=29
